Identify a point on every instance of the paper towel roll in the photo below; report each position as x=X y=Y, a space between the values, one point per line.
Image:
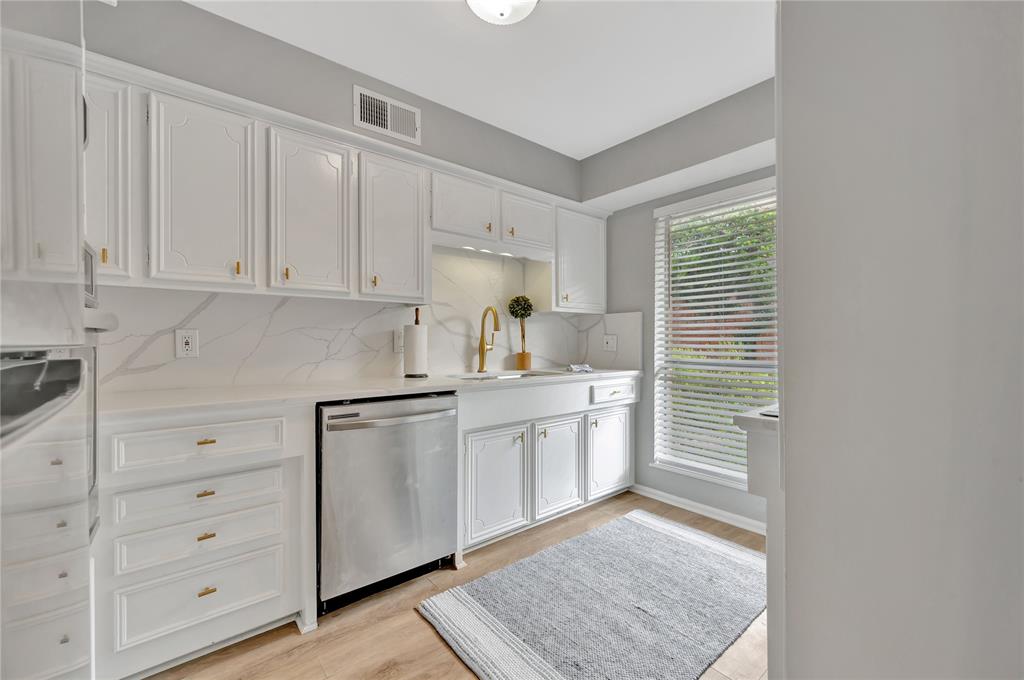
x=416 y=351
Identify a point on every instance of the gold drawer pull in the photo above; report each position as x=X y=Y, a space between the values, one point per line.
x=63 y=574
x=206 y=591
x=614 y=392
x=103 y=255
x=62 y=524
x=206 y=442
x=205 y=493
x=238 y=267
x=207 y=536
x=64 y=639
x=56 y=461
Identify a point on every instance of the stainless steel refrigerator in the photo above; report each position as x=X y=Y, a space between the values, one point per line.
x=47 y=376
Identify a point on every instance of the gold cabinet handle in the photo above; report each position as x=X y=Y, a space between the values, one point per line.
x=62 y=524
x=206 y=591
x=56 y=461
x=63 y=574
x=206 y=442
x=613 y=393
x=206 y=493
x=375 y=280
x=489 y=228
x=565 y=298
x=103 y=255
x=206 y=536
x=287 y=273
x=544 y=433
x=512 y=232
x=593 y=423
x=518 y=438
x=64 y=639
x=238 y=267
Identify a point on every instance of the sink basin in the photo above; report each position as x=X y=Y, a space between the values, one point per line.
x=504 y=375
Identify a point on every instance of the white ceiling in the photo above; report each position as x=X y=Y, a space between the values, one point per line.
x=575 y=76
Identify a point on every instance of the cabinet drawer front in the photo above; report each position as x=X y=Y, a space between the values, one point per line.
x=55 y=470
x=160 y=546
x=49 y=577
x=31 y=535
x=48 y=645
x=137 y=450
x=153 y=609
x=600 y=394
x=211 y=492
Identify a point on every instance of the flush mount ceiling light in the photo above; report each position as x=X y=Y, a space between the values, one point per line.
x=502 y=12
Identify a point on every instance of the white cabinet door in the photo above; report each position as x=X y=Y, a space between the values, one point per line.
x=312 y=212
x=394 y=248
x=609 y=454
x=580 y=262
x=526 y=221
x=43 y=164
x=497 y=482
x=107 y=173
x=558 y=464
x=461 y=206
x=202 y=193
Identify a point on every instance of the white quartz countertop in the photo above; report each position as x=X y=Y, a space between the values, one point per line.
x=755 y=421
x=113 y=403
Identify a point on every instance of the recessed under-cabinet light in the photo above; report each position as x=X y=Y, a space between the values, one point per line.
x=468 y=248
x=484 y=250
x=507 y=254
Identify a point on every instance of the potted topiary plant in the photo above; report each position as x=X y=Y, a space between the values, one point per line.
x=521 y=308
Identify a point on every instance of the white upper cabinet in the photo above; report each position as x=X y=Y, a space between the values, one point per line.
x=202 y=193
x=464 y=207
x=107 y=173
x=558 y=462
x=43 y=215
x=580 y=262
x=312 y=212
x=526 y=221
x=394 y=245
x=609 y=453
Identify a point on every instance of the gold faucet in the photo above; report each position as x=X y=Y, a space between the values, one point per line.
x=486 y=347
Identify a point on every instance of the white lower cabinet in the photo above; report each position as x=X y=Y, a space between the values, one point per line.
x=558 y=466
x=608 y=457
x=516 y=475
x=497 y=467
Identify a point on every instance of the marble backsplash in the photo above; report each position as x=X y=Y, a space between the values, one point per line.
x=265 y=339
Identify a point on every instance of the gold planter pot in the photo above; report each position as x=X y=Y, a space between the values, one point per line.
x=523 y=361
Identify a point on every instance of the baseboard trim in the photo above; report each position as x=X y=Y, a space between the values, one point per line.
x=701 y=509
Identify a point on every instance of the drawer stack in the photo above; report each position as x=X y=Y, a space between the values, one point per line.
x=45 y=560
x=198 y=543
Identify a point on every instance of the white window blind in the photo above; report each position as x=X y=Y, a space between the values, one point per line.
x=715 y=332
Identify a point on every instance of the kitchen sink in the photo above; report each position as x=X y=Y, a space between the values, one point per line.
x=504 y=375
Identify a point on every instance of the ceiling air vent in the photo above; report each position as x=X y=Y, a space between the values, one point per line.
x=385 y=115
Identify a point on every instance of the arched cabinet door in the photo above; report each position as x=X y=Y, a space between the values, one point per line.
x=558 y=465
x=393 y=214
x=312 y=212
x=497 y=464
x=202 y=193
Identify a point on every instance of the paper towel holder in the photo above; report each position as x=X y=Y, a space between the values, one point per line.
x=415 y=358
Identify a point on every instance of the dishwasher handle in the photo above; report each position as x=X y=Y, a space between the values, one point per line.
x=389 y=422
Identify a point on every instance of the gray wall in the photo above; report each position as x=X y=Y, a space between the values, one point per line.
x=736 y=122
x=181 y=40
x=631 y=288
x=902 y=235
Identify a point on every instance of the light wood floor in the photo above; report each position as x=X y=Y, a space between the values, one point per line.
x=384 y=637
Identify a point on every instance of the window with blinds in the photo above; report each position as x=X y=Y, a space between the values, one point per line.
x=715 y=333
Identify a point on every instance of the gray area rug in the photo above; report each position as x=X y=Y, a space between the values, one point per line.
x=638 y=598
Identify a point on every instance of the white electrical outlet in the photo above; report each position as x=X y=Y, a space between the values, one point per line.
x=399 y=341
x=186 y=343
x=611 y=342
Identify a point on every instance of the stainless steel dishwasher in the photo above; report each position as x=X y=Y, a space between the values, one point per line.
x=387 y=491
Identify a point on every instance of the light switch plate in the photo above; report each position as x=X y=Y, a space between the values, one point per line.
x=186 y=343
x=399 y=341
x=611 y=342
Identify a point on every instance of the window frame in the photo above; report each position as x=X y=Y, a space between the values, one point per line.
x=704 y=203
